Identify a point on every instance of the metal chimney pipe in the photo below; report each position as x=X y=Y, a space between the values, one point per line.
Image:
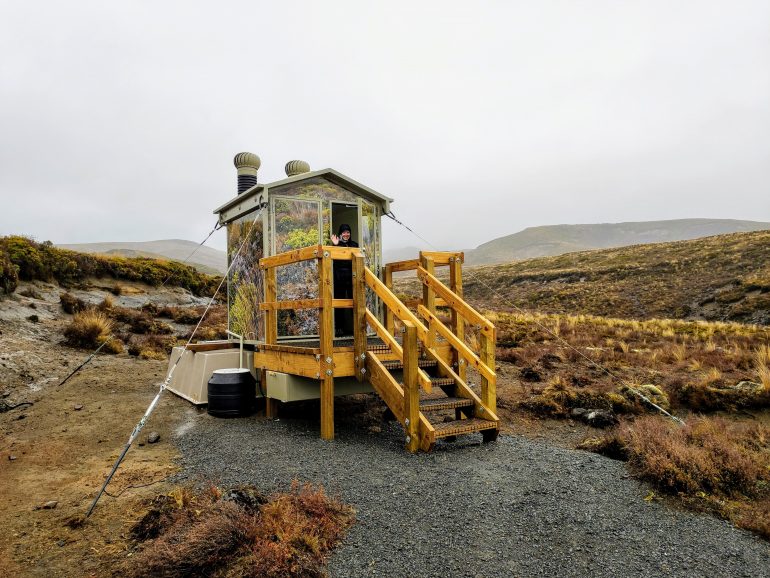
x=247 y=164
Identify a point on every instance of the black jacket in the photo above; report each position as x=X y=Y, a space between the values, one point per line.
x=344 y=268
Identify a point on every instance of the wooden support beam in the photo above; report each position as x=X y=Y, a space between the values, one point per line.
x=388 y=281
x=271 y=405
x=271 y=317
x=411 y=388
x=457 y=323
x=302 y=364
x=295 y=304
x=326 y=335
x=488 y=386
x=428 y=296
x=342 y=303
x=290 y=348
x=359 y=316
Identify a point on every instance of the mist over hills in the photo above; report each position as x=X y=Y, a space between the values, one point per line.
x=205 y=259
x=550 y=240
x=532 y=242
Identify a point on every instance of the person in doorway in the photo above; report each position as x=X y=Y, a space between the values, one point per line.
x=343 y=283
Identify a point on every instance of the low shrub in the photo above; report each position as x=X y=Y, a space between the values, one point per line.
x=713 y=463
x=238 y=533
x=156 y=347
x=28 y=260
x=71 y=304
x=9 y=274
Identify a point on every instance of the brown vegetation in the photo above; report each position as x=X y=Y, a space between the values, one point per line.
x=720 y=278
x=712 y=463
x=238 y=533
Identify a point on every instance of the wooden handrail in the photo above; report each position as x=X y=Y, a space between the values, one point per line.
x=289 y=257
x=455 y=302
x=440 y=258
x=463 y=350
x=393 y=303
x=307 y=254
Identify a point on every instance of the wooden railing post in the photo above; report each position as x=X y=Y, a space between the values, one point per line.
x=271 y=315
x=326 y=335
x=388 y=280
x=271 y=335
x=359 y=316
x=458 y=325
x=411 y=388
x=428 y=294
x=487 y=356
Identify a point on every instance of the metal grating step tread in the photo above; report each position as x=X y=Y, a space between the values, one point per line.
x=395 y=364
x=442 y=403
x=463 y=426
x=442 y=381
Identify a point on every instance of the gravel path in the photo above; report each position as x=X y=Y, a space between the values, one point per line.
x=513 y=508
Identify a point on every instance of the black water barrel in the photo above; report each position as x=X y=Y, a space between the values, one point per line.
x=232 y=393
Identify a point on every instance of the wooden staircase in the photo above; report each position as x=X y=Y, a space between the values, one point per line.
x=425 y=385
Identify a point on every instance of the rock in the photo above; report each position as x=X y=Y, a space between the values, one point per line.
x=599 y=418
x=748 y=387
x=375 y=429
x=78 y=407
x=60 y=543
x=50 y=505
x=529 y=374
x=578 y=412
x=11 y=458
x=154 y=437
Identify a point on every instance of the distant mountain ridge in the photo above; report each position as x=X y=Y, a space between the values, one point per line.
x=551 y=240
x=205 y=259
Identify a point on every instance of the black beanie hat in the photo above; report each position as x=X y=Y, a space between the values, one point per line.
x=344 y=228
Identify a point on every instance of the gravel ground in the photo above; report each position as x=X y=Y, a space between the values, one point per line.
x=512 y=508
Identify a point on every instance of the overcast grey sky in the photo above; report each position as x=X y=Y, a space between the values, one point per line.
x=119 y=121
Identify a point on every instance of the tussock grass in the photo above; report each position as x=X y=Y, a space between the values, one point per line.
x=695 y=365
x=238 y=533
x=89 y=329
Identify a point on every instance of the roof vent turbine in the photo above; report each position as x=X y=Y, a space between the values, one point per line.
x=247 y=164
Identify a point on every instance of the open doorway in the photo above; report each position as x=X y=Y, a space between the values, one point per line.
x=346 y=213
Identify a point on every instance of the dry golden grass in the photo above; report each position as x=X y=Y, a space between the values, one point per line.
x=696 y=365
x=89 y=329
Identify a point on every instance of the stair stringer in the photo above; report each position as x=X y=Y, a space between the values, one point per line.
x=391 y=392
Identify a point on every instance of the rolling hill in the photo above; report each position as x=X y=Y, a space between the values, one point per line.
x=205 y=259
x=719 y=278
x=553 y=240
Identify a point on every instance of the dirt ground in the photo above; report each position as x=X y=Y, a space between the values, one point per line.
x=62 y=446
